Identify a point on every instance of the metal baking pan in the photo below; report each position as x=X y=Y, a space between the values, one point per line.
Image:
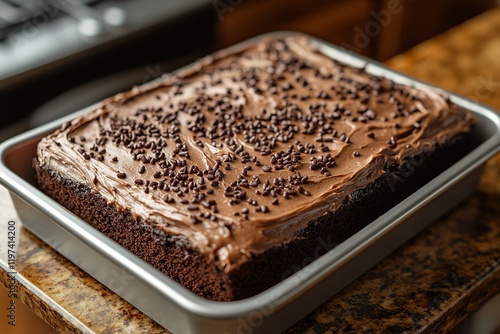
x=277 y=308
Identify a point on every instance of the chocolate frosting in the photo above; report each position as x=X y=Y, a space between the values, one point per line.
x=240 y=151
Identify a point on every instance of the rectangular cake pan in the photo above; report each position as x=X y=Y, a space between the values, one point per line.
x=277 y=308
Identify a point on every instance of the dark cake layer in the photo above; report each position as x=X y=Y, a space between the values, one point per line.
x=170 y=254
x=175 y=257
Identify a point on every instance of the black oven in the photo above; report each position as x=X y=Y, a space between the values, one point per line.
x=92 y=48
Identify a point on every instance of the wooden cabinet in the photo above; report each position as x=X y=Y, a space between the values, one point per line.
x=423 y=19
x=333 y=21
x=376 y=28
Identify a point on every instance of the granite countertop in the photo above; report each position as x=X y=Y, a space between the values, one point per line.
x=428 y=285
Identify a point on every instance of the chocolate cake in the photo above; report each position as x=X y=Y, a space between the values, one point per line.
x=232 y=174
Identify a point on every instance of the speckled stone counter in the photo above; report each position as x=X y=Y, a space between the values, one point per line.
x=429 y=285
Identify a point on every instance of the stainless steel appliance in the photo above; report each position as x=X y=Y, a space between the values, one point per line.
x=50 y=46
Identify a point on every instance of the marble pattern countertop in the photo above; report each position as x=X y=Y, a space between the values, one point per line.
x=428 y=285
